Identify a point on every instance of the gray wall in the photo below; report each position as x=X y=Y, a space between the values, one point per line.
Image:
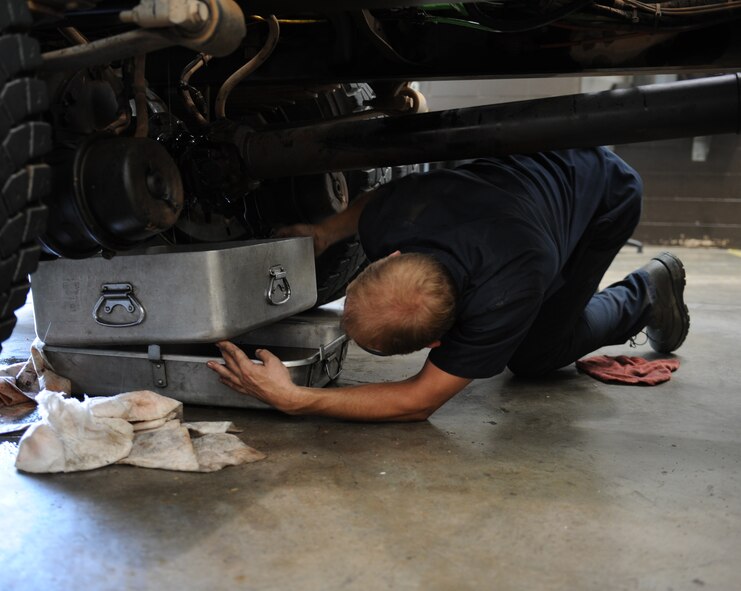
x=451 y=94
x=689 y=202
x=692 y=185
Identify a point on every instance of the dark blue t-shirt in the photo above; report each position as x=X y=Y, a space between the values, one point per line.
x=504 y=228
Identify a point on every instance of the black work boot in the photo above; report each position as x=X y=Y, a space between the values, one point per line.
x=670 y=319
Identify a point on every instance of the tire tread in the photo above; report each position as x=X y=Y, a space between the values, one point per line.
x=23 y=182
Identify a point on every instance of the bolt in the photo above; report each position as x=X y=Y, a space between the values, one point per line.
x=198 y=12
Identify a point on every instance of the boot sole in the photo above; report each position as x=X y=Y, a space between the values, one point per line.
x=679 y=281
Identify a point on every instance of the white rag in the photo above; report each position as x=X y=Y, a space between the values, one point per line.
x=22 y=382
x=139 y=428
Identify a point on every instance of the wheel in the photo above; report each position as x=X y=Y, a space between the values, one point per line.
x=23 y=181
x=295 y=200
x=339 y=264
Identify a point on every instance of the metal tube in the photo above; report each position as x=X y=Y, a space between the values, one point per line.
x=703 y=106
x=219 y=35
x=259 y=59
x=103 y=51
x=276 y=6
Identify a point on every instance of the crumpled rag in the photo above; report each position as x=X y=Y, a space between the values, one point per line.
x=21 y=383
x=624 y=369
x=139 y=428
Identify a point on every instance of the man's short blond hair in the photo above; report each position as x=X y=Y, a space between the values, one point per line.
x=400 y=304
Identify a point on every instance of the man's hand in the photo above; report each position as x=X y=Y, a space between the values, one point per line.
x=333 y=229
x=313 y=231
x=413 y=399
x=270 y=382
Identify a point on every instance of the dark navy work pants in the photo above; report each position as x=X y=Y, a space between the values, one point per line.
x=575 y=320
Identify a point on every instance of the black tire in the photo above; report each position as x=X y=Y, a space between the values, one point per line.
x=23 y=182
x=342 y=262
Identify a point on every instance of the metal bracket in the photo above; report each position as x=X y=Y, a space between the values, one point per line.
x=215 y=27
x=333 y=352
x=118 y=294
x=159 y=371
x=278 y=284
x=189 y=14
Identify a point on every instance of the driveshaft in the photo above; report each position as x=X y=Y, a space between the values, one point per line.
x=689 y=108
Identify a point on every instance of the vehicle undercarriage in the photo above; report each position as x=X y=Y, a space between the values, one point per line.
x=130 y=123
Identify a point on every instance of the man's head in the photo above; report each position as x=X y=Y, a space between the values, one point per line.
x=400 y=304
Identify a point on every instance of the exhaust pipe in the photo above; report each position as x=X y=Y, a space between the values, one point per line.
x=703 y=106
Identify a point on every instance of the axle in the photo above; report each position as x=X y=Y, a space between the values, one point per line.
x=278 y=6
x=703 y=106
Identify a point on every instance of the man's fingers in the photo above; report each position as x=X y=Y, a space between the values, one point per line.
x=269 y=360
x=230 y=363
x=235 y=358
x=222 y=370
x=227 y=377
x=294 y=230
x=285 y=231
x=266 y=356
x=231 y=349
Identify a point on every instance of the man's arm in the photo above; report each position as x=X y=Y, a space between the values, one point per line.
x=336 y=227
x=413 y=399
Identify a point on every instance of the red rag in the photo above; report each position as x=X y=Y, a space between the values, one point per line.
x=628 y=370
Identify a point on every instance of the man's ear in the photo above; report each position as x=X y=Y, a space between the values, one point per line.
x=434 y=344
x=395 y=253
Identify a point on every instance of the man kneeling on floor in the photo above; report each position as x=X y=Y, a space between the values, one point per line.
x=494 y=264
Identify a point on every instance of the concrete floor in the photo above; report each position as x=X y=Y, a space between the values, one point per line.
x=565 y=483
